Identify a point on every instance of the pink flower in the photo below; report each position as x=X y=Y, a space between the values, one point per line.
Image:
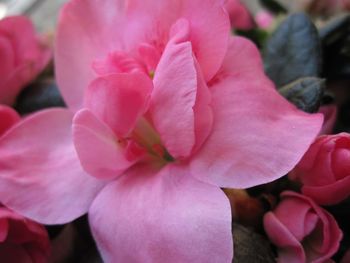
x=324 y=170
x=22 y=240
x=166 y=107
x=302 y=231
x=23 y=56
x=239 y=15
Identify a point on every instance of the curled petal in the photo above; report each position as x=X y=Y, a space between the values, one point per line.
x=98 y=148
x=119 y=100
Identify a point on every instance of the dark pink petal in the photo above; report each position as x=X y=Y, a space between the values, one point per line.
x=23 y=56
x=330 y=194
x=257 y=136
x=290 y=249
x=98 y=148
x=38 y=162
x=167 y=216
x=8 y=117
x=173 y=98
x=119 y=100
x=330 y=115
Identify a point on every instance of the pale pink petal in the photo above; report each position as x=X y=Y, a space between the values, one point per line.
x=173 y=98
x=119 y=100
x=209 y=26
x=98 y=148
x=162 y=217
x=242 y=60
x=8 y=117
x=87 y=30
x=38 y=162
x=257 y=136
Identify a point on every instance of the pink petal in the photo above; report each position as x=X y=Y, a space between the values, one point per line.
x=161 y=217
x=203 y=113
x=39 y=163
x=119 y=100
x=138 y=22
x=330 y=194
x=8 y=117
x=257 y=136
x=330 y=116
x=290 y=249
x=98 y=148
x=95 y=24
x=173 y=98
x=209 y=26
x=25 y=56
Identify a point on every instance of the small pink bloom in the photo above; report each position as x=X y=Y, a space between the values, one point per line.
x=324 y=170
x=264 y=19
x=239 y=15
x=23 y=56
x=302 y=231
x=166 y=107
x=22 y=240
x=8 y=117
x=330 y=116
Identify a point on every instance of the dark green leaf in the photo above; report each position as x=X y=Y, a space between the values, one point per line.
x=305 y=93
x=336 y=48
x=293 y=51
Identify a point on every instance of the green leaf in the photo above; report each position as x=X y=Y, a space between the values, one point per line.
x=305 y=93
x=293 y=51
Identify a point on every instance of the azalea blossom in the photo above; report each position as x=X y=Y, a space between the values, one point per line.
x=324 y=169
x=23 y=56
x=302 y=231
x=164 y=108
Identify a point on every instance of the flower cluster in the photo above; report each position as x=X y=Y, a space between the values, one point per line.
x=165 y=107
